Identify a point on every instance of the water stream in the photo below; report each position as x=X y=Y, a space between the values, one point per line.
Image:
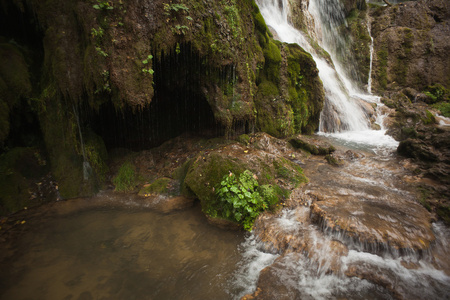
x=354 y=232
x=359 y=233
x=341 y=111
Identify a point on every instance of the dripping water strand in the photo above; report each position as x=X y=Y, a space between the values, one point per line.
x=87 y=169
x=369 y=83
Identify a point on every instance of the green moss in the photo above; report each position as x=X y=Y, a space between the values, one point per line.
x=444 y=108
x=208 y=170
x=206 y=173
x=382 y=56
x=96 y=155
x=429 y=118
x=437 y=93
x=61 y=137
x=311 y=148
x=408 y=40
x=180 y=175
x=332 y=160
x=160 y=186
x=357 y=51
x=444 y=212
x=244 y=139
x=272 y=54
x=260 y=23
x=125 y=180
x=289 y=171
x=268 y=89
x=289 y=99
x=408 y=132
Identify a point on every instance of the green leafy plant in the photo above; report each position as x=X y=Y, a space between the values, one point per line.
x=179 y=29
x=97 y=32
x=106 y=87
x=145 y=62
x=125 y=178
x=239 y=198
x=174 y=7
x=149 y=57
x=102 y=5
x=101 y=52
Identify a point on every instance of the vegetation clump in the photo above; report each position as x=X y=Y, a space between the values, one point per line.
x=241 y=199
x=125 y=178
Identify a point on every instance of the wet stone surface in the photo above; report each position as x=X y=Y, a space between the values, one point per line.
x=358 y=228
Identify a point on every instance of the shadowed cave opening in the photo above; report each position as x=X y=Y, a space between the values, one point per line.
x=178 y=106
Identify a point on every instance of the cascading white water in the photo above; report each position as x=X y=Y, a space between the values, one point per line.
x=343 y=116
x=347 y=112
x=307 y=276
x=369 y=83
x=329 y=16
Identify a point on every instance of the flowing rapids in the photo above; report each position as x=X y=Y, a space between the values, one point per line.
x=354 y=232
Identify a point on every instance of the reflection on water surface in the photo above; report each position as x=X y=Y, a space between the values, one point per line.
x=106 y=253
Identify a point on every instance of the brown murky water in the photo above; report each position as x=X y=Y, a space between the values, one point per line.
x=87 y=249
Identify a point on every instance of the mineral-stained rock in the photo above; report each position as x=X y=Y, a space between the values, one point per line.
x=375 y=226
x=412 y=42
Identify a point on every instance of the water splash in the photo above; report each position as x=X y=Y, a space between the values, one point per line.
x=254 y=260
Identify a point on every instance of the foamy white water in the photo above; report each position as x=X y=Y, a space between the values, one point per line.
x=305 y=275
x=335 y=85
x=254 y=259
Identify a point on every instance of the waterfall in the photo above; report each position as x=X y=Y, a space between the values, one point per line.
x=369 y=83
x=87 y=169
x=347 y=109
x=342 y=112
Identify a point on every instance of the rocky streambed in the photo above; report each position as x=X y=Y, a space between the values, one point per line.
x=356 y=230
x=349 y=225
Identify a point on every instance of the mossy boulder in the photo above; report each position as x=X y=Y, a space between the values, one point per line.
x=290 y=93
x=312 y=145
x=161 y=186
x=207 y=171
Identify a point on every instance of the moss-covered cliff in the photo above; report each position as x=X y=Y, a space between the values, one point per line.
x=107 y=74
x=412 y=42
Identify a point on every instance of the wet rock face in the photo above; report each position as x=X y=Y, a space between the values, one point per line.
x=346 y=221
x=423 y=140
x=209 y=67
x=372 y=217
x=377 y=227
x=412 y=42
